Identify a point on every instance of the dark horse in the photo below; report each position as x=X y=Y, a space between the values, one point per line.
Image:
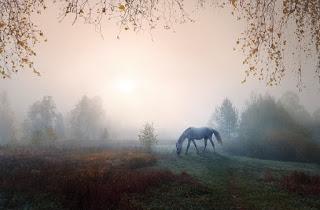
x=197 y=134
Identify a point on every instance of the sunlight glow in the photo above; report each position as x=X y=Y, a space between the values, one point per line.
x=125 y=85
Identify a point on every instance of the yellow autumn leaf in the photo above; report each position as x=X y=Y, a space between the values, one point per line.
x=122 y=7
x=2 y=24
x=234 y=3
x=24 y=60
x=21 y=43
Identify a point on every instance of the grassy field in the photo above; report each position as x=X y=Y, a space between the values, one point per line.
x=97 y=178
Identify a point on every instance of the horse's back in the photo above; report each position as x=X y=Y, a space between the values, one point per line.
x=199 y=132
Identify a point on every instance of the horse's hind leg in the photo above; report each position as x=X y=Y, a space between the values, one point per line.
x=194 y=143
x=205 y=144
x=212 y=145
x=188 y=146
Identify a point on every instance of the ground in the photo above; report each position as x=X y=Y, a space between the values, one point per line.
x=104 y=178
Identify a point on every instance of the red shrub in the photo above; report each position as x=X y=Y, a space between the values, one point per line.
x=301 y=183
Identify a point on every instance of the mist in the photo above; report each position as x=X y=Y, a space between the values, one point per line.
x=177 y=78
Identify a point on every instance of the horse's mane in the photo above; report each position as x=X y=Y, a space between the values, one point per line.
x=183 y=135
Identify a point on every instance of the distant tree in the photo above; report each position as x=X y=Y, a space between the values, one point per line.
x=291 y=102
x=105 y=134
x=7 y=127
x=44 y=124
x=316 y=115
x=225 y=118
x=266 y=42
x=87 y=119
x=316 y=125
x=147 y=137
x=59 y=128
x=268 y=131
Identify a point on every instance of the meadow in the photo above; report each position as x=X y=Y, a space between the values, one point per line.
x=96 y=178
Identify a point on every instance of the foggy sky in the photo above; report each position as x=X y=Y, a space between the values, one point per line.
x=179 y=76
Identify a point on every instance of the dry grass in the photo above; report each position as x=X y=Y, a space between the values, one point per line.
x=295 y=182
x=97 y=179
x=301 y=183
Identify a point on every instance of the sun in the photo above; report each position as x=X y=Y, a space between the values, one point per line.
x=125 y=85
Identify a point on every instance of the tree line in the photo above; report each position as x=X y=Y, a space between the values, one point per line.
x=44 y=124
x=270 y=129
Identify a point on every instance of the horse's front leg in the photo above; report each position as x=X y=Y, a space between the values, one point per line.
x=205 y=144
x=188 y=146
x=194 y=143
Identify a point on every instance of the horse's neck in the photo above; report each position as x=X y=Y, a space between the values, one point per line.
x=182 y=138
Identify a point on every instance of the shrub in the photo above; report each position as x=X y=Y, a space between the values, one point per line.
x=147 y=136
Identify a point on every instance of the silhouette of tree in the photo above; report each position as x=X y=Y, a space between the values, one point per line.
x=87 y=120
x=291 y=102
x=44 y=124
x=7 y=122
x=316 y=125
x=225 y=118
x=267 y=130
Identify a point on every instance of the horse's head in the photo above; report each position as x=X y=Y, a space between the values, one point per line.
x=179 y=148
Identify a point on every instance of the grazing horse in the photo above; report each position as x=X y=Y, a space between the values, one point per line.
x=197 y=134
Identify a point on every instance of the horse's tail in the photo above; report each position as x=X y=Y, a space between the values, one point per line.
x=217 y=135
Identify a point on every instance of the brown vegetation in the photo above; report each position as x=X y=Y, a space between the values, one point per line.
x=296 y=182
x=301 y=183
x=81 y=180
